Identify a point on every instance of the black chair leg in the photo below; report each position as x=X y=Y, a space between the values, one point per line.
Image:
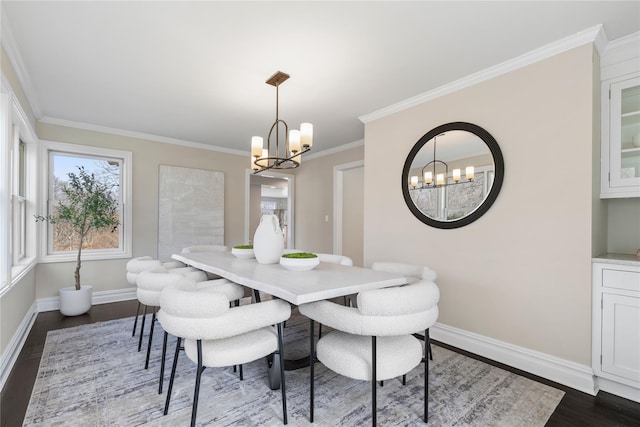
x=153 y=322
x=426 y=384
x=173 y=375
x=241 y=374
x=427 y=339
x=311 y=366
x=135 y=322
x=373 y=381
x=319 y=330
x=144 y=316
x=282 y=388
x=196 y=392
x=162 y=361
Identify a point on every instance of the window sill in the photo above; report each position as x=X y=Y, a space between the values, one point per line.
x=86 y=256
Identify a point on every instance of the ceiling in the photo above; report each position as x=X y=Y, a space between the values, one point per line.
x=196 y=71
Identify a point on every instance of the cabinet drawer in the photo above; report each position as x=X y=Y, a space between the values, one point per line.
x=618 y=279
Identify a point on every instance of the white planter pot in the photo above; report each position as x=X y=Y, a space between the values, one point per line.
x=74 y=302
x=268 y=242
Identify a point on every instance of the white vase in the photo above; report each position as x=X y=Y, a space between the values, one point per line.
x=75 y=302
x=268 y=242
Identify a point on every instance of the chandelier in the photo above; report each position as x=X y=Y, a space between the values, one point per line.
x=296 y=142
x=432 y=179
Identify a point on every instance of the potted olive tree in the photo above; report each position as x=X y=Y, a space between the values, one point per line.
x=86 y=205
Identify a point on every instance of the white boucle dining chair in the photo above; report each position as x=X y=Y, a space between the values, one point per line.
x=191 y=273
x=136 y=266
x=219 y=335
x=335 y=259
x=413 y=273
x=150 y=284
x=232 y=291
x=205 y=248
x=374 y=341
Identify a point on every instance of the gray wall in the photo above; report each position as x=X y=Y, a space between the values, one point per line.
x=147 y=156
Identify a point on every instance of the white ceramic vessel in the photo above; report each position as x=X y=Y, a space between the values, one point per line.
x=268 y=241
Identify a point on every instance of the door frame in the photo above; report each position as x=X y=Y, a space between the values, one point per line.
x=290 y=202
x=338 y=190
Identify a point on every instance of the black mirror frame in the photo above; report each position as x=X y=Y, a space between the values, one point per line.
x=495 y=188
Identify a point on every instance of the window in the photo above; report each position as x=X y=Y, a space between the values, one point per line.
x=17 y=190
x=111 y=167
x=19 y=203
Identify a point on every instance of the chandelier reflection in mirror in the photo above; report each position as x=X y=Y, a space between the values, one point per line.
x=431 y=169
x=295 y=143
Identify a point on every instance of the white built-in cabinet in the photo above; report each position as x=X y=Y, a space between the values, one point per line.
x=616 y=325
x=621 y=137
x=620 y=102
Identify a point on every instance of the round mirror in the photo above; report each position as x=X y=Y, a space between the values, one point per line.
x=452 y=175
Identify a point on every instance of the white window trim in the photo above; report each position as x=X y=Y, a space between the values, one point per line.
x=126 y=250
x=5 y=139
x=16 y=126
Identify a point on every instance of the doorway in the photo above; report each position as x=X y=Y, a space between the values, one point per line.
x=348 y=205
x=269 y=193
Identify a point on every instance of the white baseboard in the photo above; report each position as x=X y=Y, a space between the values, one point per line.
x=571 y=374
x=10 y=355
x=102 y=297
x=619 y=389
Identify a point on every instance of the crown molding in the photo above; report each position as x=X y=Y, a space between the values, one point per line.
x=594 y=35
x=620 y=57
x=139 y=135
x=10 y=47
x=335 y=150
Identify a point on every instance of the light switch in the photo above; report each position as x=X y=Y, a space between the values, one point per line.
x=326 y=218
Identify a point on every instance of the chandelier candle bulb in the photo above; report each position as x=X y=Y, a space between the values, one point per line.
x=470 y=173
x=414 y=181
x=256 y=146
x=440 y=179
x=456 y=175
x=428 y=178
x=263 y=162
x=294 y=141
x=306 y=135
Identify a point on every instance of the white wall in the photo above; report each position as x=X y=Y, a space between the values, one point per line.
x=521 y=273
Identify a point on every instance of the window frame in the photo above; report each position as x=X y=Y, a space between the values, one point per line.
x=19 y=201
x=125 y=249
x=18 y=191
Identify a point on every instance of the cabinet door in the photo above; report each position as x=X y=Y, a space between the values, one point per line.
x=621 y=336
x=624 y=136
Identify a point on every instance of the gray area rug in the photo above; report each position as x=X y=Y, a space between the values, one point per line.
x=92 y=375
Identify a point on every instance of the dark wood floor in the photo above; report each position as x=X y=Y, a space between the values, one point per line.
x=575 y=409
